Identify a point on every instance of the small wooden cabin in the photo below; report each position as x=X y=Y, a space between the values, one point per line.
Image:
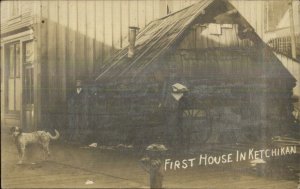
x=238 y=90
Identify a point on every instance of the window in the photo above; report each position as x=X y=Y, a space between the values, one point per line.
x=28 y=52
x=28 y=73
x=28 y=86
x=13 y=90
x=14 y=60
x=14 y=8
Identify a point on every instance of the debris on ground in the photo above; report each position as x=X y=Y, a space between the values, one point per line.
x=89 y=182
x=287 y=140
x=257 y=161
x=104 y=147
x=156 y=147
x=124 y=146
x=94 y=145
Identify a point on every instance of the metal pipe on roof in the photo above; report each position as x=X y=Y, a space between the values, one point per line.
x=131 y=39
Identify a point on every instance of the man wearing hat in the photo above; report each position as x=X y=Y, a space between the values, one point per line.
x=177 y=104
x=78 y=113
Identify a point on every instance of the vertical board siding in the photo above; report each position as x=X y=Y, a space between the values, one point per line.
x=163 y=8
x=149 y=16
x=81 y=35
x=296 y=11
x=2 y=77
x=125 y=22
x=62 y=46
x=4 y=10
x=72 y=30
x=176 y=5
x=37 y=48
x=81 y=40
x=133 y=13
x=52 y=48
x=260 y=19
x=108 y=29
x=99 y=46
x=141 y=14
x=156 y=12
x=78 y=36
x=116 y=25
x=90 y=49
x=44 y=48
x=95 y=28
x=253 y=13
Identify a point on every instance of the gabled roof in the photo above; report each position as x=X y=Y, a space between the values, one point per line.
x=159 y=37
x=153 y=41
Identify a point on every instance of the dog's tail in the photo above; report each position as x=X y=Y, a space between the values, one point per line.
x=56 y=135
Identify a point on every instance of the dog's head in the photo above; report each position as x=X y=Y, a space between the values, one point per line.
x=15 y=131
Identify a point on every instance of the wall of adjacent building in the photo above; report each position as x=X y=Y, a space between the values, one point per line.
x=73 y=39
x=252 y=10
x=15 y=29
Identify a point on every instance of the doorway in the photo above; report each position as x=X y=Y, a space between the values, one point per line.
x=28 y=87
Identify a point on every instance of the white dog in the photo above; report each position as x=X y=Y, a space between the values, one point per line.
x=39 y=137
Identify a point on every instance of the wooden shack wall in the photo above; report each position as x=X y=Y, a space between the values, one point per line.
x=294 y=68
x=233 y=73
x=75 y=38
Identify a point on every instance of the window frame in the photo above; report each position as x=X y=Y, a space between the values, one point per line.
x=16 y=63
x=28 y=93
x=7 y=64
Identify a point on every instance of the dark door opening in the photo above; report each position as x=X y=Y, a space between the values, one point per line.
x=28 y=97
x=28 y=88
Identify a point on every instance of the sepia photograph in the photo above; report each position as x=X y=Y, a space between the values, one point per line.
x=200 y=94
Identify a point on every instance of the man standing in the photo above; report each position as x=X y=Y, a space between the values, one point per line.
x=78 y=113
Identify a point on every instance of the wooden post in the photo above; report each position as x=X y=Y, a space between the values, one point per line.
x=292 y=28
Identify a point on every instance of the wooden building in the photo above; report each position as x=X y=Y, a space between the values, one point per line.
x=237 y=89
x=47 y=45
x=283 y=29
x=283 y=33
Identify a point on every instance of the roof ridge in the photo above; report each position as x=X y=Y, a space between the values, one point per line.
x=171 y=14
